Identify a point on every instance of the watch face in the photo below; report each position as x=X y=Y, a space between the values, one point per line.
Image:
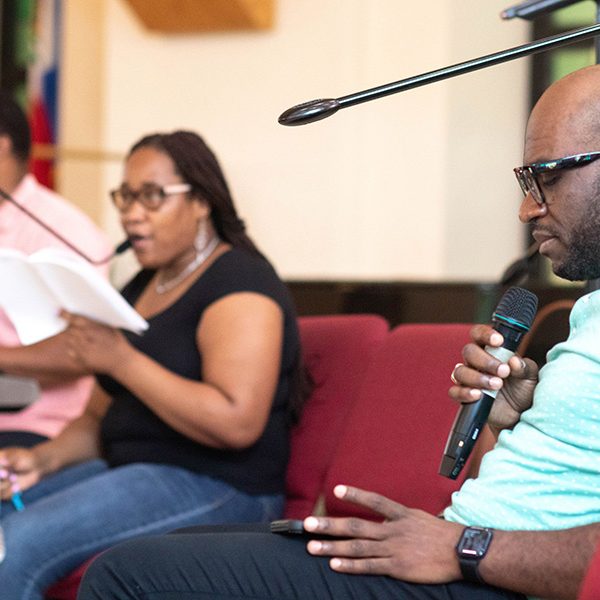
x=474 y=542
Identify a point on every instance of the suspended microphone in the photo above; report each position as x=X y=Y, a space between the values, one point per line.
x=512 y=318
x=534 y=8
x=315 y=110
x=124 y=245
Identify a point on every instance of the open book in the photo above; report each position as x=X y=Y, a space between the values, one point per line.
x=34 y=288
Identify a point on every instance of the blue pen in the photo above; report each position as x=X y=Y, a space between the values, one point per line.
x=16 y=497
x=17 y=501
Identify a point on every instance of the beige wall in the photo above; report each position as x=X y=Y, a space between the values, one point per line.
x=413 y=186
x=81 y=108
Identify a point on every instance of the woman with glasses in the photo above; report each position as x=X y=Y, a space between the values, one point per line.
x=187 y=423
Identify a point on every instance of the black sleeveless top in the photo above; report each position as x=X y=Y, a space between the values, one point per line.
x=131 y=432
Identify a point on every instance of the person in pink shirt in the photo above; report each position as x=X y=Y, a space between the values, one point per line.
x=64 y=389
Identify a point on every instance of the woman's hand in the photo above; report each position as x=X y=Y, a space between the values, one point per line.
x=25 y=463
x=94 y=346
x=515 y=380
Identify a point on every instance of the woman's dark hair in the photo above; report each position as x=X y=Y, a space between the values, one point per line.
x=198 y=166
x=301 y=386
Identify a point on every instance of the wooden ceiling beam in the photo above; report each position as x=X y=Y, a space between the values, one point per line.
x=189 y=16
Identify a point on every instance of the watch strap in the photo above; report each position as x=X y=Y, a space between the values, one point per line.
x=469 y=568
x=471 y=548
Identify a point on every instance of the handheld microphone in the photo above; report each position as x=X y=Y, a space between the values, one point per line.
x=512 y=318
x=124 y=245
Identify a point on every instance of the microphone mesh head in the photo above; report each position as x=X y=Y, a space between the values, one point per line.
x=518 y=305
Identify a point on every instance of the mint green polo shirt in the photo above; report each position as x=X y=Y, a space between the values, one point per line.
x=545 y=473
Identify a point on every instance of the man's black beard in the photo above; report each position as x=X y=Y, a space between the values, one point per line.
x=582 y=259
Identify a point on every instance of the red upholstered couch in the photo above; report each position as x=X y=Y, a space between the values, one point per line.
x=337 y=353
x=337 y=350
x=590 y=589
x=395 y=434
x=379 y=423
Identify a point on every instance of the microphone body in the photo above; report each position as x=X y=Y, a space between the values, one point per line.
x=512 y=318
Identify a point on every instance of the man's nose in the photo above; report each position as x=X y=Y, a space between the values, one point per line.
x=530 y=209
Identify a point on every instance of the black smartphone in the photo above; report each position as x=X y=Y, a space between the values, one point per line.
x=296 y=527
x=288 y=526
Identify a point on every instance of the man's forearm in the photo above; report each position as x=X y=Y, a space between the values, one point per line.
x=549 y=564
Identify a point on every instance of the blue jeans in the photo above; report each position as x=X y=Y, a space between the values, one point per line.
x=87 y=508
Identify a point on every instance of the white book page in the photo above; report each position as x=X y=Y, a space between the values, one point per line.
x=25 y=298
x=80 y=289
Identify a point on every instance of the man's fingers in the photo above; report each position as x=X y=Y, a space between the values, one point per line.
x=485 y=335
x=353 y=527
x=468 y=378
x=477 y=359
x=464 y=394
x=524 y=368
x=353 y=548
x=365 y=566
x=376 y=502
x=338 y=527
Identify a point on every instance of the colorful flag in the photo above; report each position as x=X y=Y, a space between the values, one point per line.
x=42 y=87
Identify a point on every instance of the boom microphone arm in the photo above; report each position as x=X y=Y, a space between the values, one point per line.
x=532 y=9
x=125 y=245
x=315 y=110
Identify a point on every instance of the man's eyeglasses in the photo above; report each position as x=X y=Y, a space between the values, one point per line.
x=527 y=174
x=150 y=196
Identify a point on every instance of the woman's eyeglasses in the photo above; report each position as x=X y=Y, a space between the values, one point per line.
x=150 y=196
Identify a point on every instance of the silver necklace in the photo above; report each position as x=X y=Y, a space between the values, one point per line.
x=164 y=286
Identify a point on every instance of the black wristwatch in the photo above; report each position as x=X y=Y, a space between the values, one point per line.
x=471 y=548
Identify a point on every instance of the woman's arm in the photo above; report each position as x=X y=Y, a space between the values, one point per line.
x=240 y=340
x=47 y=361
x=78 y=442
